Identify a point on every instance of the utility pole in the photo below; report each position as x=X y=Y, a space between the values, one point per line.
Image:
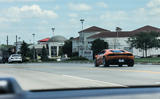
x=33 y=47
x=7 y=40
x=16 y=44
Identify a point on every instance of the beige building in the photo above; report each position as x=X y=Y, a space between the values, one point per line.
x=116 y=40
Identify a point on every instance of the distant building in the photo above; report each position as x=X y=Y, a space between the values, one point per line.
x=116 y=39
x=53 y=45
x=81 y=43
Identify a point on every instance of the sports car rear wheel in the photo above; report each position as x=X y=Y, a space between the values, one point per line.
x=120 y=65
x=105 y=64
x=130 y=65
x=95 y=63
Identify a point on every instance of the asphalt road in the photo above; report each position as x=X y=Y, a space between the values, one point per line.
x=73 y=75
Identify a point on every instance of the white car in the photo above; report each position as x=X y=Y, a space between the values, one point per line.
x=15 y=58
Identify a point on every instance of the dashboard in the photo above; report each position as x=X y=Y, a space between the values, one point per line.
x=10 y=89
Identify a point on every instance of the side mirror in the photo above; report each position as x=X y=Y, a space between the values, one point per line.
x=9 y=86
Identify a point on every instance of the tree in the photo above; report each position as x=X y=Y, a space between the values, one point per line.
x=24 y=50
x=98 y=45
x=7 y=50
x=60 y=51
x=30 y=53
x=44 y=55
x=145 y=41
x=67 y=48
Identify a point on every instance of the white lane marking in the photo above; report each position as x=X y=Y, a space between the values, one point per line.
x=95 y=81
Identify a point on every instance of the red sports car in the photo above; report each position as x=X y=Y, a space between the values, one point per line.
x=114 y=57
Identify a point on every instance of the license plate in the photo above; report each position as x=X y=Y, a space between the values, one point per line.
x=121 y=60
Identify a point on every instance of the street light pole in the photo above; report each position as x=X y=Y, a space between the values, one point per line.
x=82 y=38
x=16 y=44
x=33 y=47
x=118 y=29
x=82 y=21
x=19 y=39
x=116 y=41
x=7 y=40
x=53 y=30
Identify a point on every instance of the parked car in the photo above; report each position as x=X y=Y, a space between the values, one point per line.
x=15 y=58
x=114 y=57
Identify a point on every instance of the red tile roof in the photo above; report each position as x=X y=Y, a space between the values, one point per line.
x=44 y=40
x=146 y=28
x=111 y=34
x=76 y=38
x=93 y=29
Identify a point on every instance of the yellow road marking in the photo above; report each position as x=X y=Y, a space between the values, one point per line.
x=142 y=71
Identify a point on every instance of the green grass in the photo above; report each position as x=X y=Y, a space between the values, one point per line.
x=147 y=60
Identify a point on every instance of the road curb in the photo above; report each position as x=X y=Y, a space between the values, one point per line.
x=90 y=62
x=149 y=63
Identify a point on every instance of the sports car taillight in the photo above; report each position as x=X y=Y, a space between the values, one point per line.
x=120 y=55
x=111 y=55
x=129 y=54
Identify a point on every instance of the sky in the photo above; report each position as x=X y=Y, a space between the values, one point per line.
x=25 y=17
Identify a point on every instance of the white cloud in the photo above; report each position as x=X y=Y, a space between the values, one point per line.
x=36 y=11
x=17 y=0
x=155 y=12
x=24 y=0
x=57 y=7
x=117 y=15
x=73 y=21
x=79 y=7
x=148 y=14
x=44 y=22
x=139 y=13
x=138 y=17
x=153 y=8
x=2 y=19
x=33 y=11
x=102 y=4
x=74 y=15
x=153 y=3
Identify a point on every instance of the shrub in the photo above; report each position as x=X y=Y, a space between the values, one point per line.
x=75 y=54
x=78 y=58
